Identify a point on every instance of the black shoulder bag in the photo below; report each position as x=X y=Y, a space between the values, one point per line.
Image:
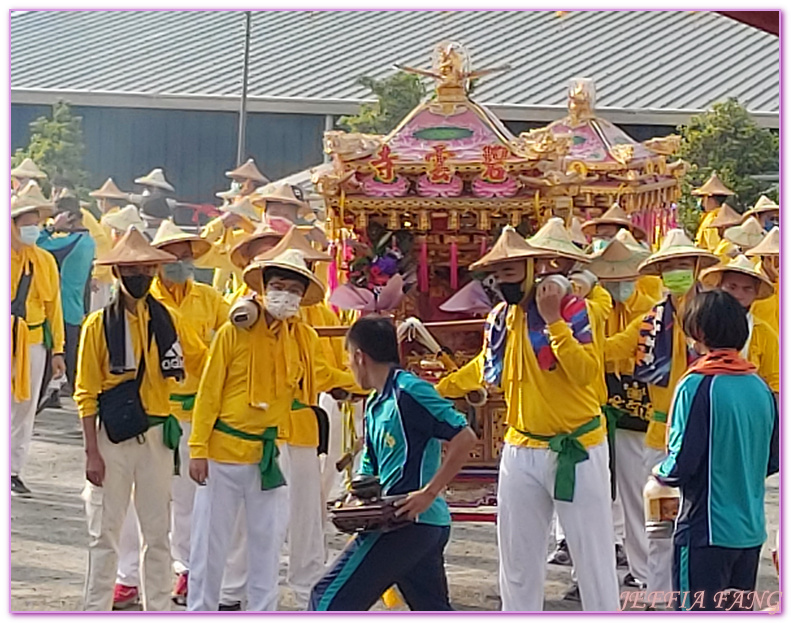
x=121 y=409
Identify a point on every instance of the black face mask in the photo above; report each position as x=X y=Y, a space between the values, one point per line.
x=512 y=293
x=136 y=286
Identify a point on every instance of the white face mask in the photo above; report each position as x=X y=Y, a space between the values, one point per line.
x=282 y=305
x=28 y=234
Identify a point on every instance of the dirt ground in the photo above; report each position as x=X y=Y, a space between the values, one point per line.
x=49 y=536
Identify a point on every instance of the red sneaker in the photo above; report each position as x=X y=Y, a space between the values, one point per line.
x=179 y=595
x=125 y=596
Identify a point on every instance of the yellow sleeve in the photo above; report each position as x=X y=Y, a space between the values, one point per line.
x=579 y=361
x=88 y=384
x=208 y=401
x=466 y=379
x=223 y=310
x=336 y=343
x=623 y=345
x=769 y=363
x=213 y=230
x=103 y=244
x=192 y=345
x=599 y=303
x=53 y=309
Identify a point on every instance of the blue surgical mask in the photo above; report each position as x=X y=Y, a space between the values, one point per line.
x=179 y=272
x=620 y=291
x=29 y=234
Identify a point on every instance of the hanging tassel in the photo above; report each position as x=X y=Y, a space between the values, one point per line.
x=422 y=270
x=454 y=265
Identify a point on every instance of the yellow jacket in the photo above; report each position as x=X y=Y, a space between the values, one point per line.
x=101 y=236
x=764 y=353
x=600 y=305
x=708 y=237
x=768 y=310
x=225 y=387
x=650 y=286
x=623 y=314
x=43 y=299
x=93 y=362
x=219 y=257
x=204 y=311
x=624 y=346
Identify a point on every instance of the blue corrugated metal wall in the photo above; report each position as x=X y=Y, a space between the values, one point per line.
x=194 y=147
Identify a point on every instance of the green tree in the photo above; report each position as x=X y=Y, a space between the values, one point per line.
x=57 y=147
x=726 y=139
x=396 y=96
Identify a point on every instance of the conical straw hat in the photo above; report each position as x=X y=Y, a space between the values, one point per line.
x=155 y=179
x=24 y=205
x=134 y=250
x=291 y=260
x=248 y=171
x=746 y=235
x=240 y=253
x=726 y=217
x=764 y=204
x=28 y=170
x=294 y=239
x=124 y=218
x=713 y=186
x=618 y=261
x=675 y=245
x=243 y=208
x=712 y=277
x=576 y=233
x=32 y=193
x=616 y=215
x=552 y=240
x=508 y=247
x=231 y=193
x=282 y=193
x=169 y=232
x=109 y=191
x=770 y=245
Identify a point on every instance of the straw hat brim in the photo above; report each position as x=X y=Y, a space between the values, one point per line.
x=745 y=241
x=610 y=270
x=764 y=248
x=44 y=212
x=761 y=210
x=98 y=194
x=27 y=174
x=589 y=227
x=712 y=278
x=145 y=181
x=240 y=251
x=117 y=222
x=650 y=266
x=200 y=247
x=254 y=278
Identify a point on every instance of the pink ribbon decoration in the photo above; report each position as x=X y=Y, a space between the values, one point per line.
x=454 y=265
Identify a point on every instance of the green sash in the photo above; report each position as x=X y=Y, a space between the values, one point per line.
x=570 y=452
x=186 y=401
x=271 y=476
x=171 y=435
x=46 y=331
x=659 y=416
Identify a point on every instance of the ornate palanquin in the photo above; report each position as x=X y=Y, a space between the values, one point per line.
x=452 y=175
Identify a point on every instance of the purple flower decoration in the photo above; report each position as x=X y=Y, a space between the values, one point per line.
x=387 y=265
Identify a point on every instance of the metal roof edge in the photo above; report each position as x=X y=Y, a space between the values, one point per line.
x=319 y=106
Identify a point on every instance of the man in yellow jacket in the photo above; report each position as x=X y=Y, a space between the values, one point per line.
x=130 y=354
x=628 y=406
x=109 y=199
x=767 y=252
x=747 y=284
x=657 y=344
x=712 y=195
x=254 y=376
x=204 y=311
x=37 y=326
x=539 y=349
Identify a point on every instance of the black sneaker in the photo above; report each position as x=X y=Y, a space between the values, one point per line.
x=573 y=594
x=234 y=607
x=620 y=557
x=561 y=555
x=18 y=488
x=632 y=582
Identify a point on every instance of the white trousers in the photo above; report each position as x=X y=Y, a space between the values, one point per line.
x=632 y=475
x=234 y=578
x=305 y=520
x=182 y=495
x=525 y=503
x=660 y=551
x=332 y=481
x=140 y=471
x=230 y=486
x=23 y=414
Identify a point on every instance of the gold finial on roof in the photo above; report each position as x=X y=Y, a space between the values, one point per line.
x=451 y=70
x=582 y=100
